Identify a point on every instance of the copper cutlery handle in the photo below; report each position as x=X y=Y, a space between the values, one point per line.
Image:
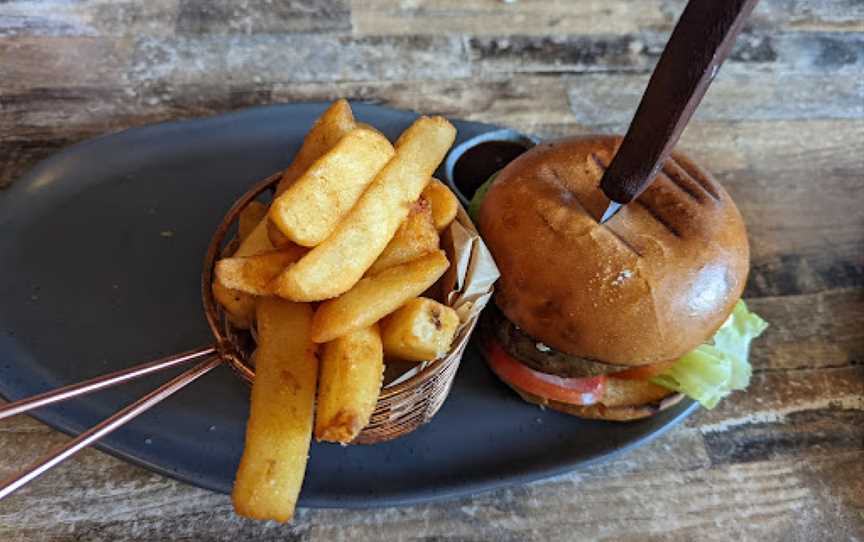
x=98 y=431
x=101 y=382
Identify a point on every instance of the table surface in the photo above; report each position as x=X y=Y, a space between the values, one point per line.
x=782 y=128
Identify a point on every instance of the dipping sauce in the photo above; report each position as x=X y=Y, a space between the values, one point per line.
x=479 y=162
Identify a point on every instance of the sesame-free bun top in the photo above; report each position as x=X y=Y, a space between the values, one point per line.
x=651 y=284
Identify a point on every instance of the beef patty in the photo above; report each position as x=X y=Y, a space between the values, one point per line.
x=537 y=355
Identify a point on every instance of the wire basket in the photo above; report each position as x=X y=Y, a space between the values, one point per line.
x=402 y=407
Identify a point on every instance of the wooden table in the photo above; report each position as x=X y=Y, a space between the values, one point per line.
x=782 y=128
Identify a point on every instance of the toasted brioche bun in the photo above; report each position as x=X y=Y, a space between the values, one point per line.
x=648 y=286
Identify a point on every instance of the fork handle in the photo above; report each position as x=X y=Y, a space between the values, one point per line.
x=90 y=436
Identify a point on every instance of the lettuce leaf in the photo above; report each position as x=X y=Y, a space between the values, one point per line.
x=711 y=371
x=479 y=196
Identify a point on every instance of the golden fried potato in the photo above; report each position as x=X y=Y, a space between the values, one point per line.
x=421 y=330
x=369 y=127
x=445 y=205
x=255 y=274
x=280 y=420
x=277 y=238
x=330 y=127
x=377 y=296
x=249 y=217
x=333 y=124
x=309 y=210
x=336 y=265
x=239 y=306
x=352 y=370
x=415 y=237
x=256 y=242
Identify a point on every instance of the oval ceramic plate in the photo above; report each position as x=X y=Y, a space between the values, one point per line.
x=101 y=249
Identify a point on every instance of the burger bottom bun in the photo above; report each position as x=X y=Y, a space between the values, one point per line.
x=623 y=393
x=600 y=411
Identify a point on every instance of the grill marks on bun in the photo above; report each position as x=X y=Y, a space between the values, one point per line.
x=692 y=172
x=656 y=215
x=679 y=176
x=624 y=242
x=662 y=200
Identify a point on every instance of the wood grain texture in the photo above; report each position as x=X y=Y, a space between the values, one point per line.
x=257 y=17
x=559 y=17
x=782 y=128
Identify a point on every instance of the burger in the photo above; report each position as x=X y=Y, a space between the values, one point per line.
x=614 y=321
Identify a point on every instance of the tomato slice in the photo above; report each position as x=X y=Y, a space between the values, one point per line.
x=574 y=391
x=645 y=371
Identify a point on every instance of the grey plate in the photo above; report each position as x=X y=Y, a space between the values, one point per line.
x=101 y=249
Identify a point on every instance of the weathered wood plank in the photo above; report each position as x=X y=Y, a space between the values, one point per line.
x=793 y=248
x=802 y=420
x=165 y=17
x=87 y=18
x=558 y=17
x=213 y=60
x=792 y=499
x=38 y=121
x=533 y=104
x=296 y=58
x=821 y=430
x=805 y=422
x=778 y=274
x=843 y=15
x=777 y=145
x=809 y=412
x=479 y=17
x=33 y=112
x=62 y=61
x=391 y=17
x=811 y=331
x=539 y=105
x=815 y=52
x=511 y=102
x=773 y=395
x=210 y=58
x=47 y=113
x=262 y=16
x=610 y=99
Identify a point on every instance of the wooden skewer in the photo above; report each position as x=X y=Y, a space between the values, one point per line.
x=699 y=44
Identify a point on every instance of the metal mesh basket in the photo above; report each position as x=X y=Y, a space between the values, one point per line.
x=401 y=408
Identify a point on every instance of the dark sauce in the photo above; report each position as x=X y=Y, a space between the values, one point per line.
x=479 y=162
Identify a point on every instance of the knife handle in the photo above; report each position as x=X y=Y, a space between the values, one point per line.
x=699 y=44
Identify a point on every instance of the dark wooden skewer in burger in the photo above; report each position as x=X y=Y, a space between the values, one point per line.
x=699 y=44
